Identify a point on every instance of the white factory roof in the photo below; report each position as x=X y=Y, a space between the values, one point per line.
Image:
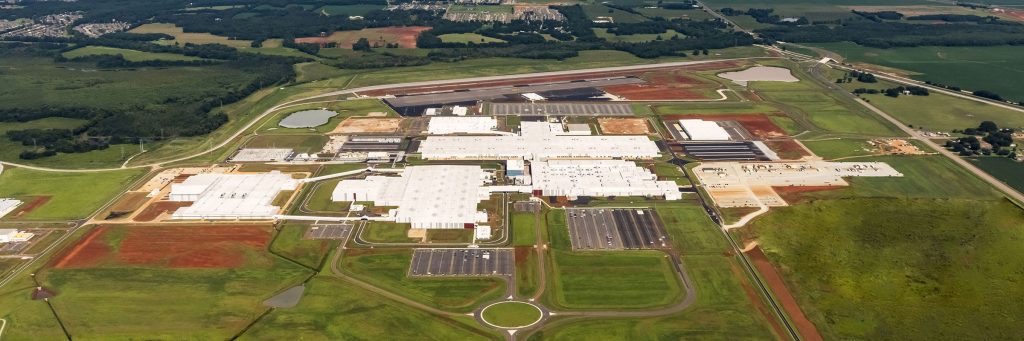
x=538 y=140
x=231 y=196
x=441 y=196
x=701 y=130
x=445 y=125
x=261 y=154
x=599 y=178
x=8 y=206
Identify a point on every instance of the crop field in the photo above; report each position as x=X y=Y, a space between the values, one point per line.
x=405 y=37
x=389 y=269
x=901 y=268
x=993 y=68
x=113 y=300
x=59 y=196
x=1009 y=171
x=181 y=37
x=130 y=55
x=468 y=38
x=335 y=309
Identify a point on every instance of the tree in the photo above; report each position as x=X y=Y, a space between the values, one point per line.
x=361 y=45
x=988 y=127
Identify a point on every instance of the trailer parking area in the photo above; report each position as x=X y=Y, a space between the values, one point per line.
x=593 y=229
x=561 y=109
x=462 y=262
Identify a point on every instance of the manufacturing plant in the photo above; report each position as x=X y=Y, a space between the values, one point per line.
x=14 y=236
x=701 y=130
x=263 y=155
x=738 y=184
x=448 y=125
x=231 y=196
x=538 y=141
x=598 y=178
x=428 y=197
x=8 y=205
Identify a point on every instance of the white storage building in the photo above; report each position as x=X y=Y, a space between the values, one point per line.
x=599 y=178
x=231 y=196
x=432 y=197
x=538 y=141
x=446 y=125
x=8 y=206
x=13 y=236
x=701 y=130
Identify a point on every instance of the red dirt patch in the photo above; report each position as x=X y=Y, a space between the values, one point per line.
x=31 y=206
x=623 y=126
x=202 y=246
x=804 y=326
x=155 y=209
x=522 y=254
x=1013 y=14
x=661 y=85
x=89 y=252
x=755 y=299
x=404 y=36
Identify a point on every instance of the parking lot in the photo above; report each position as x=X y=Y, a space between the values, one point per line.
x=12 y=247
x=462 y=262
x=328 y=231
x=615 y=229
x=561 y=109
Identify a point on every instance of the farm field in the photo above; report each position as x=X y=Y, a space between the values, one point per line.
x=129 y=55
x=181 y=37
x=60 y=196
x=124 y=293
x=468 y=38
x=993 y=68
x=389 y=268
x=335 y=309
x=900 y=268
x=1009 y=171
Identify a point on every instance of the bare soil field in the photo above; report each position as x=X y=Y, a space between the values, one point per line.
x=130 y=202
x=89 y=252
x=661 y=86
x=404 y=36
x=200 y=246
x=30 y=206
x=768 y=272
x=623 y=126
x=154 y=210
x=368 y=125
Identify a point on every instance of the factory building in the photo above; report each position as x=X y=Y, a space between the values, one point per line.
x=598 y=178
x=515 y=168
x=430 y=197
x=14 y=236
x=701 y=130
x=8 y=206
x=538 y=141
x=231 y=196
x=447 y=125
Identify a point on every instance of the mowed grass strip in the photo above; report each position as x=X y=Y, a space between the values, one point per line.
x=129 y=55
x=523 y=230
x=613 y=280
x=333 y=309
x=389 y=269
x=71 y=195
x=511 y=314
x=898 y=269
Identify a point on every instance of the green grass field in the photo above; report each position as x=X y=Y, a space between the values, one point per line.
x=333 y=309
x=674 y=13
x=386 y=232
x=613 y=280
x=181 y=37
x=931 y=176
x=348 y=10
x=468 y=38
x=939 y=112
x=899 y=269
x=619 y=16
x=822 y=108
x=837 y=147
x=289 y=244
x=523 y=232
x=389 y=269
x=300 y=143
x=130 y=55
x=511 y=314
x=636 y=38
x=1004 y=169
x=994 y=68
x=71 y=195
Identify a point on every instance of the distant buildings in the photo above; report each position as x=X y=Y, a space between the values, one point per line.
x=538 y=141
x=231 y=196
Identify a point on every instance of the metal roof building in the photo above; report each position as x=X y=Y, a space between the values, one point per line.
x=432 y=197
x=8 y=206
x=701 y=130
x=231 y=196
x=446 y=125
x=599 y=178
x=538 y=141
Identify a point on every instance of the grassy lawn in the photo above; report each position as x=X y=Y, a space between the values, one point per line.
x=300 y=143
x=289 y=243
x=527 y=271
x=389 y=269
x=511 y=314
x=333 y=309
x=613 y=280
x=839 y=147
x=931 y=176
x=938 y=112
x=468 y=38
x=822 y=108
x=68 y=197
x=619 y=16
x=896 y=269
x=386 y=232
x=523 y=232
x=636 y=38
x=130 y=55
x=674 y=13
x=181 y=37
x=140 y=302
x=994 y=68
x=1004 y=169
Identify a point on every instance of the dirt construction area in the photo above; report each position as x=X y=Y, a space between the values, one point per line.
x=405 y=37
x=354 y=125
x=623 y=126
x=662 y=85
x=178 y=246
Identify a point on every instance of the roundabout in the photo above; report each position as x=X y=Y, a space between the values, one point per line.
x=511 y=315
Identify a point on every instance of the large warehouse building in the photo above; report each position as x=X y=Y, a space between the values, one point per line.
x=431 y=197
x=599 y=178
x=231 y=196
x=447 y=125
x=701 y=130
x=8 y=206
x=538 y=141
